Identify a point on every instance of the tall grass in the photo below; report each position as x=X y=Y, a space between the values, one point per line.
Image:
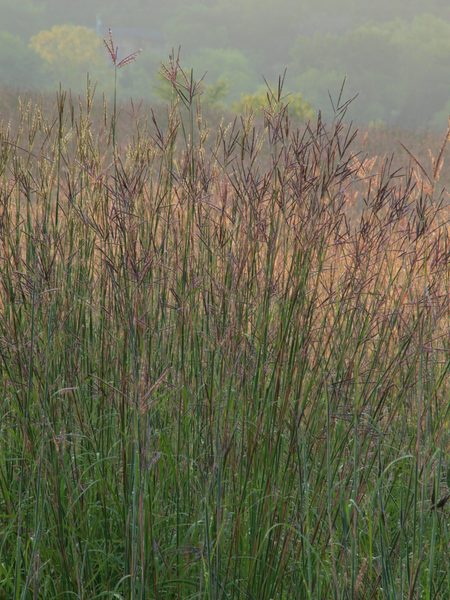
x=224 y=361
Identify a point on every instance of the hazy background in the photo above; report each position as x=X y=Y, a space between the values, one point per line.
x=394 y=53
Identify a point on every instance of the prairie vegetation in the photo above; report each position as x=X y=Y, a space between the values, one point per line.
x=224 y=357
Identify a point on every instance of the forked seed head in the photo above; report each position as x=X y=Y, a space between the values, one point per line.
x=113 y=52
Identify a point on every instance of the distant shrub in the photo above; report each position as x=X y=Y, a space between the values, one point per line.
x=226 y=68
x=298 y=107
x=214 y=95
x=68 y=52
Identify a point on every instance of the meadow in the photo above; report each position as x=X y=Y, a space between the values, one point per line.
x=224 y=357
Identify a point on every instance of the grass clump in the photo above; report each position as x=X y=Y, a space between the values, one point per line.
x=224 y=361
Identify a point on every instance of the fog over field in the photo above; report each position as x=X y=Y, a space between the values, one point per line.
x=394 y=53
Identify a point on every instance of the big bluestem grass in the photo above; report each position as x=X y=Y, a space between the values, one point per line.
x=113 y=52
x=224 y=361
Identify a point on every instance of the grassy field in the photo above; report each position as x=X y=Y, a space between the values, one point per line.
x=224 y=360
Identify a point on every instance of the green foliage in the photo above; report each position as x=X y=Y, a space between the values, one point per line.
x=215 y=88
x=68 y=45
x=317 y=83
x=231 y=67
x=69 y=52
x=400 y=69
x=215 y=94
x=298 y=107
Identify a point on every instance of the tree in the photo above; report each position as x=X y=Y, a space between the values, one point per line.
x=230 y=66
x=298 y=107
x=399 y=68
x=69 y=52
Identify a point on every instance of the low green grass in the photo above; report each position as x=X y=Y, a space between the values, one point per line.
x=224 y=361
